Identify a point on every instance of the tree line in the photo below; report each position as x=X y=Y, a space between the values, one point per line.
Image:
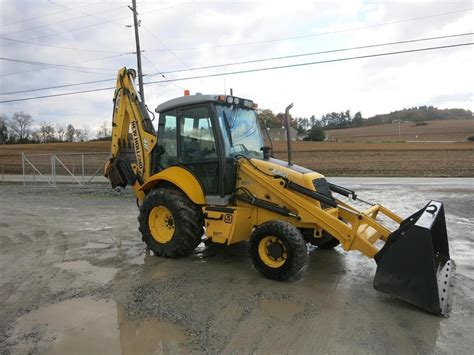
x=20 y=129
x=311 y=128
x=421 y=114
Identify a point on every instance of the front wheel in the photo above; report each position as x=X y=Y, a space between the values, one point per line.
x=171 y=225
x=278 y=250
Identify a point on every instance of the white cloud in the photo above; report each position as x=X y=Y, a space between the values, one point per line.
x=375 y=85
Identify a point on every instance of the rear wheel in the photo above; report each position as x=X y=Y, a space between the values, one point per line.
x=278 y=250
x=171 y=225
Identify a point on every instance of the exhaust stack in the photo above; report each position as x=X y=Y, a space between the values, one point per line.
x=288 y=133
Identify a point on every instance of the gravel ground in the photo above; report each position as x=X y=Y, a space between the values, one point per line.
x=76 y=278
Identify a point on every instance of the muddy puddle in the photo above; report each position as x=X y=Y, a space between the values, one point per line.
x=88 y=326
x=86 y=285
x=85 y=271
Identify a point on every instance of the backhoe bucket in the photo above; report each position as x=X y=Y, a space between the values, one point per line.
x=414 y=264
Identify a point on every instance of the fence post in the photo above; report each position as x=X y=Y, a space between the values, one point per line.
x=3 y=174
x=82 y=163
x=53 y=169
x=23 y=167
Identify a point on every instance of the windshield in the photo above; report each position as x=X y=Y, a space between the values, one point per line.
x=243 y=132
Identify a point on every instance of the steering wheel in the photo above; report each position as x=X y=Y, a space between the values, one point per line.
x=243 y=147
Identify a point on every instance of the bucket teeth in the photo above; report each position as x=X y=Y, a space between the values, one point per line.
x=414 y=264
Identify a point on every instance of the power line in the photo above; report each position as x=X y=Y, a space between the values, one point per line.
x=246 y=62
x=252 y=70
x=164 y=46
x=316 y=53
x=318 y=62
x=312 y=34
x=231 y=44
x=37 y=17
x=68 y=69
x=86 y=13
x=50 y=64
x=59 y=47
x=60 y=86
x=95 y=24
x=157 y=71
x=80 y=62
x=154 y=67
x=63 y=21
x=151 y=63
x=167 y=8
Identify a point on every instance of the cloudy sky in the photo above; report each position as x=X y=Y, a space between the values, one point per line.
x=82 y=41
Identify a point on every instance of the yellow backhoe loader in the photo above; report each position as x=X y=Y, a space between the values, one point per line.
x=207 y=172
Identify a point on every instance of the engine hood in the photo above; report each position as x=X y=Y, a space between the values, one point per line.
x=294 y=173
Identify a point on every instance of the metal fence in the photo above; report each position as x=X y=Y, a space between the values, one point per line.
x=79 y=169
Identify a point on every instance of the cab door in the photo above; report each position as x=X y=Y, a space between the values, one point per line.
x=189 y=137
x=197 y=147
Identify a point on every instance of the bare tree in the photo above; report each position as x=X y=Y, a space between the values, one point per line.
x=46 y=131
x=104 y=131
x=61 y=132
x=36 y=137
x=20 y=124
x=85 y=132
x=3 y=128
x=79 y=135
x=70 y=133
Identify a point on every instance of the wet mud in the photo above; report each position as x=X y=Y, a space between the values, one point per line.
x=76 y=279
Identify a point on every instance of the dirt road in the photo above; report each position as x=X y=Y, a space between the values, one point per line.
x=76 y=278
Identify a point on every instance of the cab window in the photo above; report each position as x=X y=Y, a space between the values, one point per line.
x=167 y=139
x=197 y=141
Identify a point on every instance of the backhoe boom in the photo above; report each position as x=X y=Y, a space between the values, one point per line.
x=132 y=131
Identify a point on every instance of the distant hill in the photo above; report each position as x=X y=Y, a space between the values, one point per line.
x=420 y=114
x=439 y=130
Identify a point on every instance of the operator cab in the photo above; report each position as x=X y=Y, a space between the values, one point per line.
x=203 y=133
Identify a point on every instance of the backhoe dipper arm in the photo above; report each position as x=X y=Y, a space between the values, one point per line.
x=132 y=131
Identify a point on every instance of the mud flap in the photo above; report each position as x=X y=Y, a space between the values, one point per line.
x=414 y=264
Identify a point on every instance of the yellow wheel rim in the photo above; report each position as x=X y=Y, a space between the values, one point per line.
x=161 y=224
x=272 y=252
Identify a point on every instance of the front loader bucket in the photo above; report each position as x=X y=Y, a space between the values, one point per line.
x=414 y=263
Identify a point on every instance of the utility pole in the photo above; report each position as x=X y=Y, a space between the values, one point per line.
x=139 y=56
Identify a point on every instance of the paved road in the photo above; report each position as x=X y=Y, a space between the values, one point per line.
x=359 y=181
x=76 y=276
x=47 y=179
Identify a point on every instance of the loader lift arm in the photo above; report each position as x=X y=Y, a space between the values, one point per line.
x=132 y=131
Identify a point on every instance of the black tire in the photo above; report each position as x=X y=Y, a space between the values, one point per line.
x=327 y=241
x=187 y=220
x=295 y=248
